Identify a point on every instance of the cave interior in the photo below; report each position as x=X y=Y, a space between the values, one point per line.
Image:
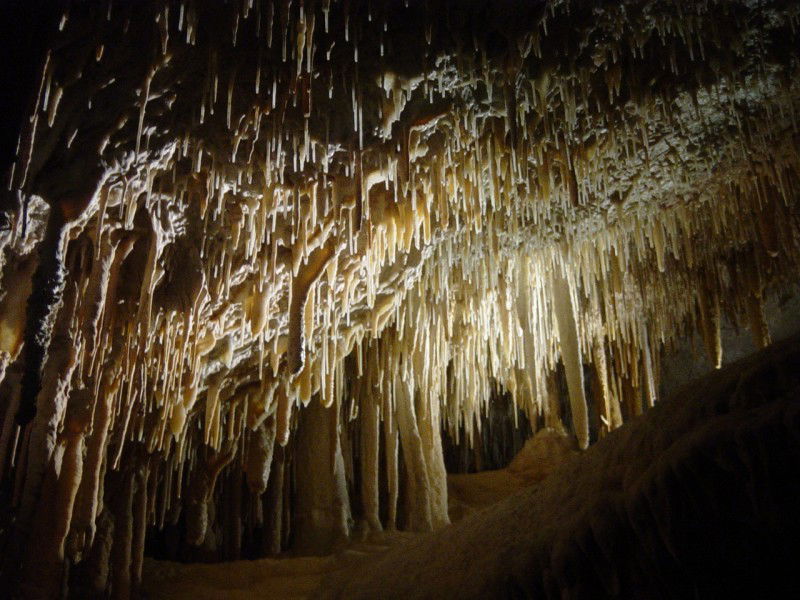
x=400 y=299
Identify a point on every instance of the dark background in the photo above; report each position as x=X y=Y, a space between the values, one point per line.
x=26 y=26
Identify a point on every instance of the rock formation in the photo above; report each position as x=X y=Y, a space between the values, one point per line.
x=265 y=261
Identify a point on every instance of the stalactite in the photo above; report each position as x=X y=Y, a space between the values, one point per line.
x=710 y=327
x=418 y=515
x=283 y=415
x=200 y=491
x=233 y=517
x=139 y=523
x=321 y=518
x=300 y=293
x=434 y=464
x=611 y=409
x=44 y=564
x=390 y=436
x=97 y=290
x=87 y=504
x=552 y=411
x=46 y=288
x=9 y=422
x=566 y=319
x=95 y=568
x=51 y=403
x=259 y=457
x=648 y=367
x=71 y=472
x=370 y=438
x=273 y=505
x=121 y=549
x=758 y=322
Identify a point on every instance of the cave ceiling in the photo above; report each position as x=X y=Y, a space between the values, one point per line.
x=221 y=213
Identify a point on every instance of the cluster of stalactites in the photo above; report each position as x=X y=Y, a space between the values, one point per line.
x=231 y=294
x=119 y=388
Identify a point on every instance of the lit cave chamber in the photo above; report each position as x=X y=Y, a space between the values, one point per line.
x=400 y=299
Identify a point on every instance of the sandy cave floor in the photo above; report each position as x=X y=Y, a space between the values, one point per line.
x=301 y=577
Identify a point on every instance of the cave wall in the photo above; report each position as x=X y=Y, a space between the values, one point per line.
x=688 y=361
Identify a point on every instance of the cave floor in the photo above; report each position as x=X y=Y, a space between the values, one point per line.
x=706 y=479
x=302 y=577
x=284 y=578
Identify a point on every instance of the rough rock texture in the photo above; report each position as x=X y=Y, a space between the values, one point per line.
x=540 y=456
x=696 y=499
x=361 y=222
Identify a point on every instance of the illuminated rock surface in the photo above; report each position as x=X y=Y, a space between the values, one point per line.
x=266 y=264
x=636 y=516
